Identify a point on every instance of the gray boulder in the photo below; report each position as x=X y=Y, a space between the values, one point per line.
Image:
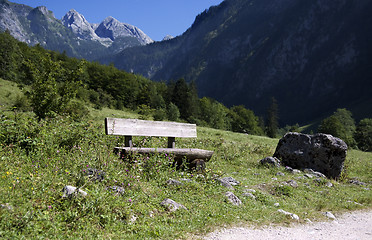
x=320 y=152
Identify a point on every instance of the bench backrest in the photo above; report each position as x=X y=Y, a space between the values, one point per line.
x=135 y=127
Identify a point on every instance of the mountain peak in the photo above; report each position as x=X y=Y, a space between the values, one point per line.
x=79 y=25
x=167 y=37
x=44 y=10
x=110 y=19
x=112 y=28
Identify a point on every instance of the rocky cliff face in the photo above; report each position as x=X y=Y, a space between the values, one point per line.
x=312 y=56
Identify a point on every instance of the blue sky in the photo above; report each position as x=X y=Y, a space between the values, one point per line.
x=156 y=18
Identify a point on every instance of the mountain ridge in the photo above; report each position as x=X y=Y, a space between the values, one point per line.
x=73 y=33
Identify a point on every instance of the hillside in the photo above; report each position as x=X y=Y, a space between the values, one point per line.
x=312 y=56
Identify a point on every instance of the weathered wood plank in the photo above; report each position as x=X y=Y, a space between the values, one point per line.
x=178 y=153
x=135 y=127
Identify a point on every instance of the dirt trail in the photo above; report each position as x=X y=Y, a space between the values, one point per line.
x=350 y=226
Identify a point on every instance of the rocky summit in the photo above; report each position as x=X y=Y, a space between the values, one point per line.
x=79 y=25
x=112 y=28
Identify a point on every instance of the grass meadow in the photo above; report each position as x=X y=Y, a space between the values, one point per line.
x=39 y=158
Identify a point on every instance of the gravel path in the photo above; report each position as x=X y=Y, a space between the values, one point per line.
x=350 y=226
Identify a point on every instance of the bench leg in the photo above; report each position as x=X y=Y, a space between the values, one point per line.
x=128 y=141
x=171 y=142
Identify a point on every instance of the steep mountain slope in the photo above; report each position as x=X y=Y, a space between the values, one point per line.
x=312 y=56
x=74 y=34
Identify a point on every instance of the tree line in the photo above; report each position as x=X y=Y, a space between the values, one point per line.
x=341 y=124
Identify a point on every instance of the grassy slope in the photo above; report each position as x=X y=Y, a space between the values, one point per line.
x=31 y=184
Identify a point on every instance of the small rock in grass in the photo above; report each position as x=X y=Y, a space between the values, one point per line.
x=276 y=204
x=230 y=180
x=117 y=190
x=308 y=220
x=133 y=219
x=308 y=175
x=354 y=203
x=70 y=191
x=249 y=195
x=233 y=199
x=289 y=169
x=356 y=182
x=319 y=174
x=292 y=215
x=172 y=205
x=173 y=182
x=314 y=173
x=292 y=183
x=226 y=184
x=6 y=206
x=270 y=161
x=96 y=174
x=185 y=180
x=330 y=215
x=328 y=184
x=250 y=190
x=280 y=174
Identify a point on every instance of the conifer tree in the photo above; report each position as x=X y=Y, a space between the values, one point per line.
x=272 y=119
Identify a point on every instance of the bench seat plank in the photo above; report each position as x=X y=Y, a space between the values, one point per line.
x=178 y=153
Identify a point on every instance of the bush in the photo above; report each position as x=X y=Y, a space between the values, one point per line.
x=173 y=112
x=363 y=134
x=160 y=114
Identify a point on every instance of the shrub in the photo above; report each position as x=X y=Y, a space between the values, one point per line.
x=173 y=112
x=363 y=134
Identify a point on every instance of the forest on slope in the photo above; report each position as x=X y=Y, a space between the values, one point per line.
x=56 y=84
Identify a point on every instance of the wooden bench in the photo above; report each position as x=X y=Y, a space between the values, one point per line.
x=135 y=127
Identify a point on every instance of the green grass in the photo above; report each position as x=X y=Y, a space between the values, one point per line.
x=39 y=158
